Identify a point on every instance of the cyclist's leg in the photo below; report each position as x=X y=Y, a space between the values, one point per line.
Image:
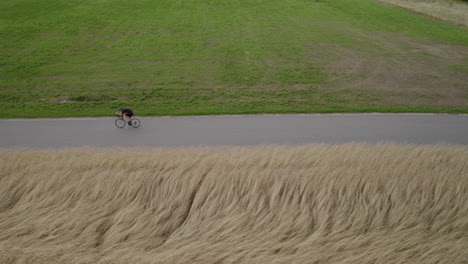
x=128 y=119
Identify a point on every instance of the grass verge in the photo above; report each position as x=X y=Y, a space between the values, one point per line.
x=352 y=203
x=91 y=110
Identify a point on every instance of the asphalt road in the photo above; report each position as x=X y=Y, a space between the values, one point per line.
x=236 y=130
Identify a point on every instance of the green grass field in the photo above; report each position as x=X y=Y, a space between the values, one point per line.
x=182 y=57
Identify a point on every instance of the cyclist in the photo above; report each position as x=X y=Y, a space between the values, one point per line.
x=126 y=113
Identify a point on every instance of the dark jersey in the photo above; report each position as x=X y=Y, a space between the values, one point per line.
x=127 y=112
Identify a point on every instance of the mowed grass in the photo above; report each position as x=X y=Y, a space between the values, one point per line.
x=352 y=203
x=161 y=57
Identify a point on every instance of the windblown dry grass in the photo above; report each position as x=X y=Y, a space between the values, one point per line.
x=310 y=204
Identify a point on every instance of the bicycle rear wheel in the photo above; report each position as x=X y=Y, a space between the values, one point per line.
x=135 y=122
x=119 y=122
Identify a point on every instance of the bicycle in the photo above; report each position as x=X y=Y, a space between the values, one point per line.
x=121 y=122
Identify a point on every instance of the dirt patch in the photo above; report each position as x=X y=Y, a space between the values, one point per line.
x=83 y=98
x=62 y=100
x=401 y=72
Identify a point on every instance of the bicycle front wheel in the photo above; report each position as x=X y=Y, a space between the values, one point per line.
x=135 y=122
x=120 y=123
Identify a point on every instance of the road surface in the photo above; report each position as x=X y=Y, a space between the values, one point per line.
x=236 y=130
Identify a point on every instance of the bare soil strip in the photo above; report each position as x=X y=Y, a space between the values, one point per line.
x=455 y=12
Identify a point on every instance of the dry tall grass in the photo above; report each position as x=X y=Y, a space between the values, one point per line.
x=455 y=12
x=310 y=204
